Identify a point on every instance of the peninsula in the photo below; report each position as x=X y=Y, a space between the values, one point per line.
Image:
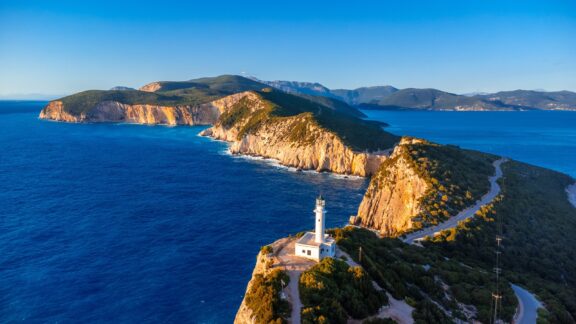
x=459 y=205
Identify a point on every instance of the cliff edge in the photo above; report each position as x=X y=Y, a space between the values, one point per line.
x=301 y=134
x=421 y=185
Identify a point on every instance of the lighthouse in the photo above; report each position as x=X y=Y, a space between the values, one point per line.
x=316 y=245
x=320 y=222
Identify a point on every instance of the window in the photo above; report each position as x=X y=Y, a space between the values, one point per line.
x=309 y=252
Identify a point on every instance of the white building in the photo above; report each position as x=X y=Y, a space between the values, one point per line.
x=316 y=245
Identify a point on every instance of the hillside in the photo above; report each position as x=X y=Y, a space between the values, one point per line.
x=539 y=250
x=423 y=184
x=351 y=97
x=432 y=99
x=558 y=100
x=165 y=102
x=364 y=95
x=391 y=98
x=302 y=134
x=450 y=277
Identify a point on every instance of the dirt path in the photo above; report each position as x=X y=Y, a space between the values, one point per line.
x=571 y=191
x=466 y=213
x=294 y=266
x=398 y=310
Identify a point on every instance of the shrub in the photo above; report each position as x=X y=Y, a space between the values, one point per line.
x=263 y=297
x=333 y=290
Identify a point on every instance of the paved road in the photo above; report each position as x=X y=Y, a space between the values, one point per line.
x=571 y=190
x=294 y=296
x=528 y=305
x=466 y=213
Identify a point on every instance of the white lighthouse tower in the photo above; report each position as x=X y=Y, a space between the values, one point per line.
x=320 y=223
x=316 y=245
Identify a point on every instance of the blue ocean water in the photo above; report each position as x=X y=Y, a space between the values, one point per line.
x=543 y=138
x=128 y=223
x=136 y=224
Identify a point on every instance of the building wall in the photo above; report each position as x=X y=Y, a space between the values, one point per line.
x=327 y=250
x=302 y=251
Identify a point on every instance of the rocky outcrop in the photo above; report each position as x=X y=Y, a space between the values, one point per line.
x=55 y=111
x=113 y=111
x=325 y=153
x=311 y=147
x=151 y=87
x=244 y=314
x=393 y=196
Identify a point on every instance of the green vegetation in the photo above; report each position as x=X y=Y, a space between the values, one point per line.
x=457 y=179
x=191 y=92
x=359 y=134
x=539 y=248
x=266 y=249
x=379 y=321
x=433 y=99
x=263 y=297
x=332 y=290
x=431 y=283
x=82 y=102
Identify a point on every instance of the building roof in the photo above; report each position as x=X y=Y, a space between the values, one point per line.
x=309 y=239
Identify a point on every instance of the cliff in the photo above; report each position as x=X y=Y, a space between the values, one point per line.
x=150 y=114
x=394 y=195
x=257 y=126
x=421 y=185
x=245 y=314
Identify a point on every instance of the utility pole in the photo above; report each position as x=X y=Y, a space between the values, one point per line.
x=360 y=255
x=496 y=295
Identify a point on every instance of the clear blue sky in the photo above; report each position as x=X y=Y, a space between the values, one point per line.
x=60 y=47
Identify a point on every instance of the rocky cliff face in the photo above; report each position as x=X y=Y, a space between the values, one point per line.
x=55 y=111
x=318 y=149
x=393 y=196
x=113 y=111
x=244 y=314
x=151 y=87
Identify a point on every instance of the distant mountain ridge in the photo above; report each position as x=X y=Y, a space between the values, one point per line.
x=390 y=98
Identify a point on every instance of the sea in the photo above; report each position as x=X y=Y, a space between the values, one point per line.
x=118 y=223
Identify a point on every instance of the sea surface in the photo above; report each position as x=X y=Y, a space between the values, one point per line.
x=151 y=224
x=543 y=138
x=116 y=223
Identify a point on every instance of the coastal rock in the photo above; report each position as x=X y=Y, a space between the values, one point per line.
x=393 y=195
x=113 y=111
x=55 y=111
x=244 y=314
x=320 y=150
x=151 y=87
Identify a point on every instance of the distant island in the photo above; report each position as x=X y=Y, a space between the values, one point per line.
x=379 y=276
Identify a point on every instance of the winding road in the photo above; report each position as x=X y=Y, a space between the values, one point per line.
x=528 y=305
x=466 y=213
x=571 y=191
